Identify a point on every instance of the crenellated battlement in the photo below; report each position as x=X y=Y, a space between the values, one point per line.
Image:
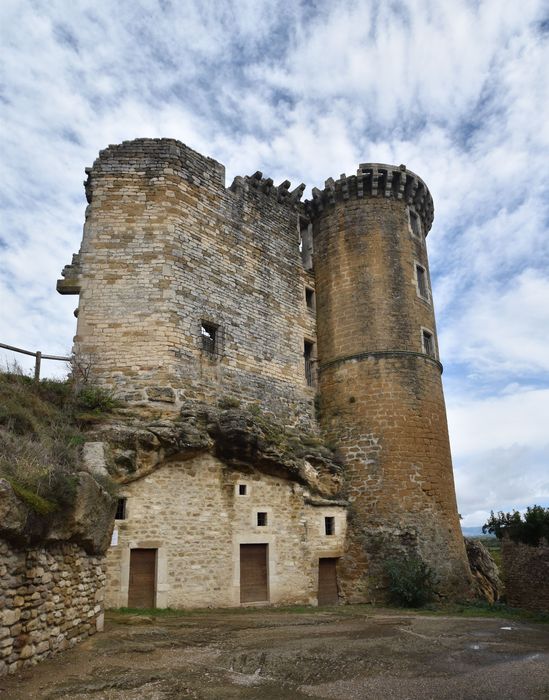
x=281 y=192
x=376 y=180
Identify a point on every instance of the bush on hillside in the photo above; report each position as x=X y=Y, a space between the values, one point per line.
x=41 y=434
x=530 y=528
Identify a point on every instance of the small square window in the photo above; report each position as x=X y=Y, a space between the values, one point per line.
x=242 y=489
x=310 y=298
x=329 y=525
x=120 y=509
x=208 y=332
x=421 y=276
x=261 y=519
x=428 y=343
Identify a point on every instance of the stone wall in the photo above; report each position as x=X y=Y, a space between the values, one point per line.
x=192 y=513
x=167 y=247
x=50 y=599
x=526 y=575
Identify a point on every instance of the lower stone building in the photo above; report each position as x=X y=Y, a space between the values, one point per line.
x=197 y=534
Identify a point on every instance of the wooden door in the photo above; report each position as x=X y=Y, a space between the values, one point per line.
x=141 y=592
x=253 y=573
x=327 y=582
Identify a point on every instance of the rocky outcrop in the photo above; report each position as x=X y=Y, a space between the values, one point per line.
x=137 y=444
x=486 y=580
x=88 y=522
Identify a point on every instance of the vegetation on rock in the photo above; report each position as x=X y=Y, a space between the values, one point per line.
x=41 y=431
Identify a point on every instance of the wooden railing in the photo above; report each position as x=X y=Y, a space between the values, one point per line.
x=38 y=357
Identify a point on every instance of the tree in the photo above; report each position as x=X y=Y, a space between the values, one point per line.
x=529 y=528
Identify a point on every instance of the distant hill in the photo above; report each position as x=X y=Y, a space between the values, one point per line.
x=474 y=532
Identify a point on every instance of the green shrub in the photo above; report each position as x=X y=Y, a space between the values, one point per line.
x=411 y=582
x=227 y=402
x=530 y=528
x=95 y=399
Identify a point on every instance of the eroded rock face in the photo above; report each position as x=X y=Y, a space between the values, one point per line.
x=13 y=513
x=88 y=522
x=486 y=580
x=238 y=437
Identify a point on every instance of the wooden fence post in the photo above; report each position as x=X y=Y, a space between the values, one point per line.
x=38 y=356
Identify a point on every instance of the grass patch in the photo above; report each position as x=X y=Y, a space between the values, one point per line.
x=480 y=609
x=41 y=436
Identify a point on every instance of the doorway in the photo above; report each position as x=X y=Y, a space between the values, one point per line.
x=253 y=573
x=327 y=582
x=142 y=586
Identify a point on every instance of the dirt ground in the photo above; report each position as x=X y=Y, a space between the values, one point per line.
x=270 y=654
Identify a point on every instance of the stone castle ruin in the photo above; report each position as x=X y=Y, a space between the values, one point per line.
x=284 y=431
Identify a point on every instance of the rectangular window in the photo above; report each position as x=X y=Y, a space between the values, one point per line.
x=428 y=344
x=415 y=223
x=261 y=519
x=120 y=509
x=208 y=332
x=242 y=489
x=422 y=282
x=329 y=525
x=308 y=349
x=310 y=298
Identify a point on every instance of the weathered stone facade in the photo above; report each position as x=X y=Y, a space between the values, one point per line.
x=193 y=292
x=50 y=599
x=526 y=575
x=193 y=515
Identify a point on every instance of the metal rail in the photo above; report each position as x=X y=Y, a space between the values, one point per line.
x=39 y=356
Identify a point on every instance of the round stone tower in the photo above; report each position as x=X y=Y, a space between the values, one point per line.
x=380 y=387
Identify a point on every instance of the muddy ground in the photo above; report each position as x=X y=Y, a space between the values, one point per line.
x=270 y=654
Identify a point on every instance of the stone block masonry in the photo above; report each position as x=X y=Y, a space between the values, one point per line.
x=167 y=252
x=50 y=599
x=319 y=314
x=526 y=575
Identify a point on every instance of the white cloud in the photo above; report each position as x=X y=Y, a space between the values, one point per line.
x=303 y=91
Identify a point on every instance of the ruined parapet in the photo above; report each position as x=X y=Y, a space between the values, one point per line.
x=280 y=193
x=381 y=399
x=70 y=284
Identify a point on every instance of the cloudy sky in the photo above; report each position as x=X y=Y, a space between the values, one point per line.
x=304 y=90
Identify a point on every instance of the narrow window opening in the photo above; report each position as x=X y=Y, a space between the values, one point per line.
x=308 y=350
x=120 y=509
x=428 y=344
x=422 y=281
x=242 y=489
x=415 y=223
x=306 y=243
x=310 y=298
x=209 y=337
x=329 y=525
x=261 y=519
